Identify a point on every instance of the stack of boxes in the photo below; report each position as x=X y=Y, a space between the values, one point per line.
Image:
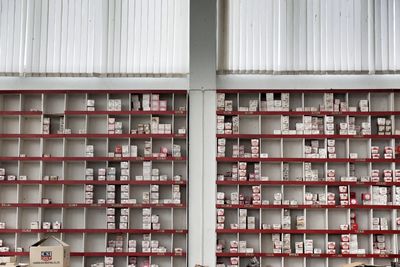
x=284 y=125
x=153 y=103
x=255 y=148
x=299 y=247
x=375 y=175
x=225 y=127
x=176 y=194
x=132 y=246
x=308 y=246
x=277 y=243
x=220 y=102
x=300 y=222
x=330 y=175
x=274 y=104
x=146 y=102
x=242 y=171
x=160 y=128
x=387 y=152
x=363 y=105
x=387 y=176
x=116 y=245
x=246 y=222
x=136 y=105
x=220 y=218
x=314 y=150
x=134 y=151
x=344 y=195
x=101 y=174
x=152 y=246
x=396 y=196
x=313 y=125
x=314 y=198
x=310 y=174
x=89 y=194
x=256 y=195
x=176 y=151
x=124 y=218
x=396 y=176
x=114 y=105
x=380 y=223
x=125 y=195
x=90 y=105
x=351 y=126
x=89 y=151
x=379 y=245
x=243 y=247
x=384 y=126
x=46 y=125
x=110 y=194
x=329 y=125
x=142 y=128
x=277 y=199
x=365 y=128
x=253 y=106
x=154 y=194
x=349 y=244
x=331 y=149
x=331 y=248
x=111 y=174
x=114 y=127
x=380 y=195
x=328 y=103
x=125 y=176
x=150 y=221
x=221 y=148
x=286 y=220
x=110 y=212
x=89 y=174
x=148 y=150
x=285 y=171
x=109 y=261
x=147 y=171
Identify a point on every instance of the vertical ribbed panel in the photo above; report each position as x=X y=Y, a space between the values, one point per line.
x=94 y=36
x=316 y=36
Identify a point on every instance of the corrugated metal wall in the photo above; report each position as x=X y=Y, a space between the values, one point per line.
x=316 y=36
x=151 y=37
x=94 y=37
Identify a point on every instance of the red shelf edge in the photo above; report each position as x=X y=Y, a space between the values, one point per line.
x=301 y=206
x=82 y=205
x=139 y=231
x=80 y=182
x=109 y=254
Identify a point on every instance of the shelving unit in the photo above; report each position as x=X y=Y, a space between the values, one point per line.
x=266 y=176
x=49 y=172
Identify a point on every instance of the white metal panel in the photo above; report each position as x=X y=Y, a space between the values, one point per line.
x=94 y=36
x=315 y=36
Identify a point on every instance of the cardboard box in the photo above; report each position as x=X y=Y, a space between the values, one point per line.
x=49 y=256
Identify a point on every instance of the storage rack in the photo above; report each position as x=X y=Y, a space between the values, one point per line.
x=322 y=222
x=26 y=150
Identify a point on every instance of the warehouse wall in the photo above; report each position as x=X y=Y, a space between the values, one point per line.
x=89 y=37
x=309 y=36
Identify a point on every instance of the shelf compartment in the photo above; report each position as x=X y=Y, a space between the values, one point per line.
x=10 y=124
x=10 y=102
x=9 y=147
